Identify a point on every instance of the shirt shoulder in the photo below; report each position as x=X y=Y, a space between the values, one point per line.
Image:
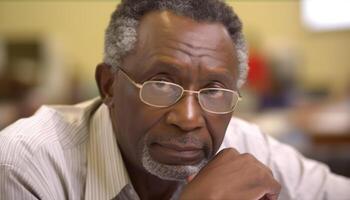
x=51 y=126
x=242 y=134
x=246 y=137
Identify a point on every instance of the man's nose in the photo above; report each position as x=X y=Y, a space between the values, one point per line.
x=186 y=114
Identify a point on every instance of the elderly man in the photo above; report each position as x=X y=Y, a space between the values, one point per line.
x=163 y=127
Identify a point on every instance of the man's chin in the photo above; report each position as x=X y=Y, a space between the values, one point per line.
x=170 y=172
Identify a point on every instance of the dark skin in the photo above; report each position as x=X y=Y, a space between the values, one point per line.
x=194 y=55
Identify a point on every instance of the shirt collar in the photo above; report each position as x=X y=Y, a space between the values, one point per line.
x=106 y=173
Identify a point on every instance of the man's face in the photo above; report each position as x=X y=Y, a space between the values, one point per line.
x=176 y=141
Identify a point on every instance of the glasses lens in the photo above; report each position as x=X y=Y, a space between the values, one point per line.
x=218 y=100
x=160 y=93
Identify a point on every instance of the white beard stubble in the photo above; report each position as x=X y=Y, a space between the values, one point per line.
x=169 y=172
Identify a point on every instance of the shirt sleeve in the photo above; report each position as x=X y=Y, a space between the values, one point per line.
x=13 y=184
x=303 y=178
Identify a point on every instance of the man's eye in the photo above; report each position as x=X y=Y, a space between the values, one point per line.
x=161 y=85
x=215 y=85
x=214 y=93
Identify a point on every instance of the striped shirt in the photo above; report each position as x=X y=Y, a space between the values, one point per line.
x=70 y=152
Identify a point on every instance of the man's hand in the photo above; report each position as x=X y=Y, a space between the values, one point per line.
x=230 y=175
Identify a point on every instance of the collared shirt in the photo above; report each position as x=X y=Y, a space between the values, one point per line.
x=70 y=152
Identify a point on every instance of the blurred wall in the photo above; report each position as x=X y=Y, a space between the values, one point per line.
x=324 y=55
x=78 y=28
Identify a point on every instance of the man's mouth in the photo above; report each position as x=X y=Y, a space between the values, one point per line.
x=176 y=154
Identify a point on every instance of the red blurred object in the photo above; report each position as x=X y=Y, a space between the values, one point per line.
x=259 y=76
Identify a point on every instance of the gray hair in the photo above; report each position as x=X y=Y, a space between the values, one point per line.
x=121 y=33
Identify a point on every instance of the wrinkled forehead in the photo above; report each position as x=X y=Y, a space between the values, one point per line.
x=185 y=40
x=157 y=25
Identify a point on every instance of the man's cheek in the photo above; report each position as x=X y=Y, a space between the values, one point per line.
x=149 y=117
x=145 y=122
x=218 y=129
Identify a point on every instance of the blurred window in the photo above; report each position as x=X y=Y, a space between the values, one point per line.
x=321 y=15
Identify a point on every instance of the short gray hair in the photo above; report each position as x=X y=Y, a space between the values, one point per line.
x=121 y=33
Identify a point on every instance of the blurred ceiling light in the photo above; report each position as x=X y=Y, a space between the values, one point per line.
x=323 y=15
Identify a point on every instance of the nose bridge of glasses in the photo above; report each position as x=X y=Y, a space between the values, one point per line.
x=190 y=107
x=191 y=91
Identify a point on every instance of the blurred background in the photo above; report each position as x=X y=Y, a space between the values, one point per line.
x=298 y=88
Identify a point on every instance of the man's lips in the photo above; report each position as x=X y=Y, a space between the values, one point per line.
x=176 y=154
x=179 y=147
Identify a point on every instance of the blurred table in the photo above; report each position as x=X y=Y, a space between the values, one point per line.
x=325 y=123
x=328 y=128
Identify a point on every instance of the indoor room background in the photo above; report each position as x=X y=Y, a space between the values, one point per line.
x=298 y=88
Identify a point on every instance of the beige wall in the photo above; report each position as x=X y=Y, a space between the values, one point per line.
x=324 y=56
x=78 y=28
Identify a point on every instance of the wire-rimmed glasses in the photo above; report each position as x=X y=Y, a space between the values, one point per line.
x=163 y=94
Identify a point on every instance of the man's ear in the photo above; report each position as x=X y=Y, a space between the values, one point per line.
x=105 y=78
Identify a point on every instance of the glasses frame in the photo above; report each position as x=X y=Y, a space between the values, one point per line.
x=140 y=86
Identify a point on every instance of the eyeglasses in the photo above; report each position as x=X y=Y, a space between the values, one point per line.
x=163 y=94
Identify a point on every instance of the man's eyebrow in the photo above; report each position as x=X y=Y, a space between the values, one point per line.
x=224 y=76
x=169 y=65
x=164 y=63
